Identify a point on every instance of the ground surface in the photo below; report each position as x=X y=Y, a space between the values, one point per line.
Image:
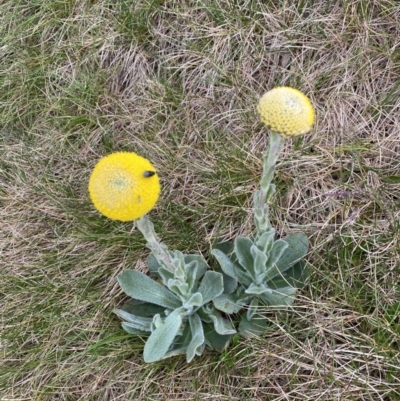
x=178 y=82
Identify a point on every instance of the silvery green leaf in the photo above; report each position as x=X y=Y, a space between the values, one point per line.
x=202 y=265
x=141 y=308
x=197 y=343
x=195 y=301
x=276 y=252
x=179 y=288
x=153 y=264
x=227 y=303
x=215 y=341
x=137 y=322
x=280 y=297
x=221 y=325
x=252 y=328
x=230 y=268
x=181 y=342
x=253 y=308
x=178 y=261
x=162 y=337
x=297 y=249
x=211 y=286
x=143 y=288
x=230 y=283
x=295 y=276
x=131 y=329
x=272 y=269
x=226 y=247
x=165 y=275
x=260 y=263
x=266 y=241
x=191 y=276
x=243 y=253
x=256 y=289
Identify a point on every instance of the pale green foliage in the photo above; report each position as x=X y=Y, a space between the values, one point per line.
x=184 y=321
x=182 y=313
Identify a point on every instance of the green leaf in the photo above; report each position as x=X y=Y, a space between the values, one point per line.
x=141 y=308
x=230 y=268
x=297 y=249
x=137 y=322
x=243 y=252
x=280 y=297
x=215 y=341
x=143 y=288
x=252 y=310
x=131 y=329
x=197 y=343
x=201 y=267
x=252 y=328
x=256 y=289
x=266 y=241
x=276 y=252
x=195 y=301
x=162 y=337
x=230 y=283
x=211 y=286
x=295 y=276
x=227 y=303
x=153 y=264
x=221 y=325
x=260 y=264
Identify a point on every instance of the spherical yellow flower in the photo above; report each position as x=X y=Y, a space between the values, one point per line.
x=286 y=111
x=124 y=186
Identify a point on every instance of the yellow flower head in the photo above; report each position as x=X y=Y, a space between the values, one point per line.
x=124 y=186
x=286 y=111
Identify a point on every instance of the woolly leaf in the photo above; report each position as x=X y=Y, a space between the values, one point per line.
x=191 y=275
x=276 y=252
x=201 y=267
x=266 y=241
x=230 y=268
x=143 y=288
x=256 y=289
x=179 y=288
x=252 y=328
x=131 y=329
x=140 y=308
x=295 y=276
x=162 y=337
x=253 y=307
x=152 y=264
x=211 y=286
x=197 y=344
x=165 y=275
x=227 y=303
x=137 y=322
x=215 y=341
x=280 y=297
x=195 y=301
x=260 y=263
x=297 y=249
x=242 y=250
x=221 y=325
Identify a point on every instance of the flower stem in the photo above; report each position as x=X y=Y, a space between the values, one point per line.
x=267 y=189
x=159 y=250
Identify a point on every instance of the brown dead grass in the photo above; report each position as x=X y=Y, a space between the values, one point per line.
x=178 y=82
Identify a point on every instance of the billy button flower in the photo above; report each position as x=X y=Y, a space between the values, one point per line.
x=124 y=186
x=286 y=111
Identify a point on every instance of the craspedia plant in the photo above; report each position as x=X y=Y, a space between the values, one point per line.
x=124 y=186
x=286 y=111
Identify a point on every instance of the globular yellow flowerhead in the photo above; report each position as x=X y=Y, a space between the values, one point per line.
x=124 y=186
x=286 y=111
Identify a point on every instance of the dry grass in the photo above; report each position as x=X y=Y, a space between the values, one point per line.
x=178 y=82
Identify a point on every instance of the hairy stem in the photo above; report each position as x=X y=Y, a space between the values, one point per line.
x=159 y=250
x=267 y=189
